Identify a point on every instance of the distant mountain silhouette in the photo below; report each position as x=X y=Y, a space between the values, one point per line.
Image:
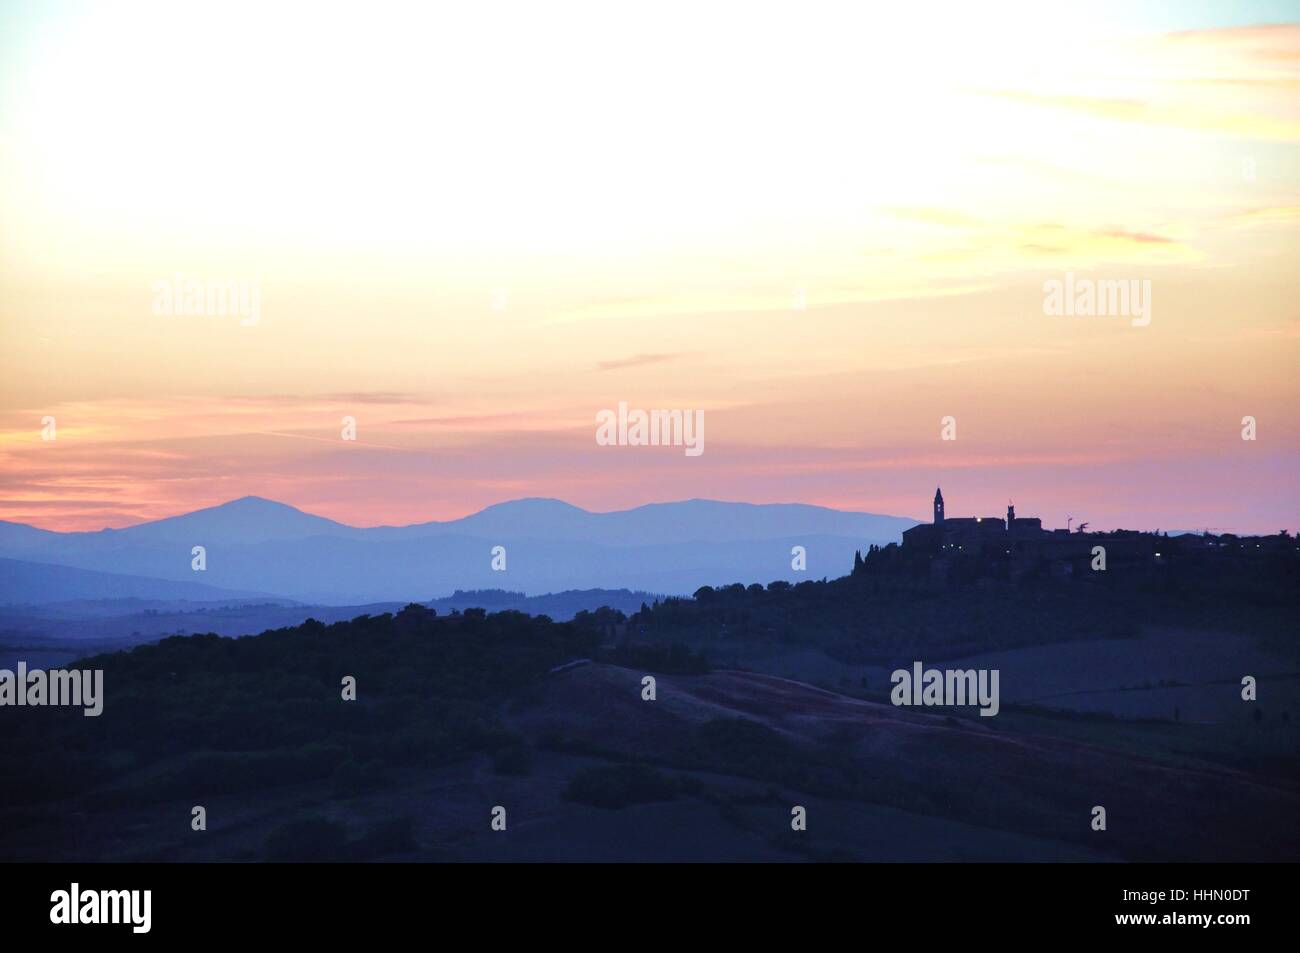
x=20 y=534
x=654 y=523
x=263 y=546
x=250 y=519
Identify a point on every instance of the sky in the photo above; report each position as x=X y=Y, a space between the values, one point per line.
x=826 y=226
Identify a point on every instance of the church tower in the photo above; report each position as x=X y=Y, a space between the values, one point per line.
x=938 y=506
x=1011 y=513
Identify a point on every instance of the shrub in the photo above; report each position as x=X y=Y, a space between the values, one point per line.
x=619 y=785
x=308 y=839
x=351 y=779
x=393 y=835
x=515 y=759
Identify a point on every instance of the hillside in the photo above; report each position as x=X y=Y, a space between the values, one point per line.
x=33 y=583
x=458 y=713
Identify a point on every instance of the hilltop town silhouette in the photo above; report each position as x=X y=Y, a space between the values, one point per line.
x=1018 y=546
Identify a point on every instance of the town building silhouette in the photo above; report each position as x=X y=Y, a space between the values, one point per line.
x=1019 y=545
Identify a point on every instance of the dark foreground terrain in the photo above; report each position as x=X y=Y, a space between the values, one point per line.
x=765 y=699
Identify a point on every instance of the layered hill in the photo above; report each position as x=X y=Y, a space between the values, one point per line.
x=258 y=545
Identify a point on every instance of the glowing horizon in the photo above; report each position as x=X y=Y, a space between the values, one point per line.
x=472 y=230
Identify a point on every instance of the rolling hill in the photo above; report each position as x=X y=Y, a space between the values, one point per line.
x=33 y=583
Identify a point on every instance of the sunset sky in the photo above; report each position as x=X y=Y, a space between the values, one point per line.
x=474 y=226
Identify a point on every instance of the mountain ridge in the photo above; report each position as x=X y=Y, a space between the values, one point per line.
x=260 y=505
x=549 y=545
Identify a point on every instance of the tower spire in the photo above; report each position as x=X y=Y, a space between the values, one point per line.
x=938 y=506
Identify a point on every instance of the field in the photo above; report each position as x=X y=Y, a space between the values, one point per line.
x=460 y=715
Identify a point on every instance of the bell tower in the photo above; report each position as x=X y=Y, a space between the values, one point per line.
x=938 y=506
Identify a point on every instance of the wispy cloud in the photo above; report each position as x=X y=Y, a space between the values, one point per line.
x=1236 y=82
x=1182 y=116
x=930 y=215
x=636 y=360
x=1273 y=215
x=351 y=397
